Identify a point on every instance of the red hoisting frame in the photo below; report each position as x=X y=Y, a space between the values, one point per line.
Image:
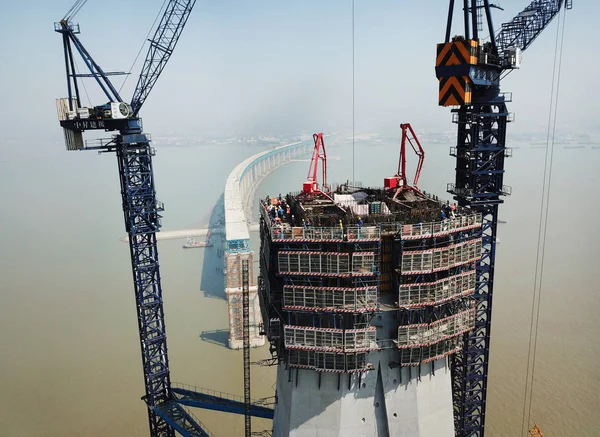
x=311 y=186
x=399 y=181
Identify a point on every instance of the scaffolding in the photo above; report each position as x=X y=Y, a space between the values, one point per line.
x=444 y=258
x=335 y=299
x=233 y=266
x=330 y=340
x=328 y=361
x=323 y=273
x=422 y=355
x=423 y=335
x=285 y=232
x=234 y=280
x=364 y=262
x=437 y=292
x=282 y=231
x=460 y=223
x=246 y=338
x=235 y=304
x=326 y=263
x=363 y=233
x=316 y=263
x=274 y=328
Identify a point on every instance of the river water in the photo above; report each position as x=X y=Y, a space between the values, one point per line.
x=68 y=331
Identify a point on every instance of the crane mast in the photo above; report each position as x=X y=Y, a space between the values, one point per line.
x=469 y=73
x=141 y=209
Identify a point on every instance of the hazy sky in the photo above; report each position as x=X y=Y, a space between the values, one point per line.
x=282 y=66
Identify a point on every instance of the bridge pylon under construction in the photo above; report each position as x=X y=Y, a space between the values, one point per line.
x=365 y=293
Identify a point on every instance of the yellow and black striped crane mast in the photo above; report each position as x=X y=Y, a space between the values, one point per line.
x=469 y=70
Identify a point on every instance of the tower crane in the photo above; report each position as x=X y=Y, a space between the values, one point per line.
x=469 y=71
x=141 y=209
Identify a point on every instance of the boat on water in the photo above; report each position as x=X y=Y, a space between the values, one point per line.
x=192 y=242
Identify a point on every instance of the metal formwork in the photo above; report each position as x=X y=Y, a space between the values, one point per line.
x=314 y=263
x=421 y=355
x=434 y=293
x=330 y=340
x=306 y=338
x=363 y=262
x=360 y=340
x=335 y=299
x=444 y=258
x=426 y=334
x=328 y=361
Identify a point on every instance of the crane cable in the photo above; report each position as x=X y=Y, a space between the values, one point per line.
x=543 y=220
x=160 y=13
x=353 y=95
x=82 y=84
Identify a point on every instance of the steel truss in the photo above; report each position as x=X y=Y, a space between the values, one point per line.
x=142 y=221
x=480 y=154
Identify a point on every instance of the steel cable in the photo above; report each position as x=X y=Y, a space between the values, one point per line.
x=353 y=95
x=160 y=13
x=543 y=220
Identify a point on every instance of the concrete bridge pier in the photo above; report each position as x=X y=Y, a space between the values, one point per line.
x=238 y=201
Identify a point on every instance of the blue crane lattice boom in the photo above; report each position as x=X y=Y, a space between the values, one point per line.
x=525 y=27
x=469 y=74
x=161 y=48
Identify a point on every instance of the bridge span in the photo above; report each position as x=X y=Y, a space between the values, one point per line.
x=239 y=201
